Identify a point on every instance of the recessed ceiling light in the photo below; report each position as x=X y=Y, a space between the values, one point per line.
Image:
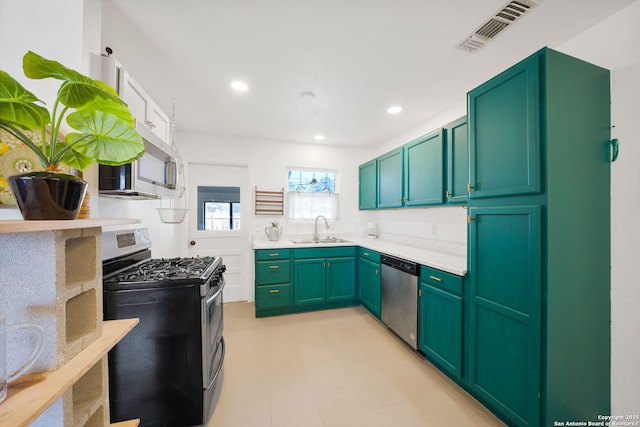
x=395 y=109
x=319 y=137
x=239 y=86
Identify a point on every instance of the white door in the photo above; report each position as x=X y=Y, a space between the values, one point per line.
x=214 y=230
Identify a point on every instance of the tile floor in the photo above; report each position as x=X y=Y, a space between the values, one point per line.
x=333 y=368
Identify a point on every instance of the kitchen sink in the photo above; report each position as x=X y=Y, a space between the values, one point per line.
x=320 y=241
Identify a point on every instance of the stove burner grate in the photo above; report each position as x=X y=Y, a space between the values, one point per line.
x=165 y=269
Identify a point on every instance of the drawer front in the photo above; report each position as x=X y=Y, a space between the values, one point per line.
x=268 y=254
x=335 y=251
x=274 y=296
x=447 y=281
x=272 y=272
x=369 y=254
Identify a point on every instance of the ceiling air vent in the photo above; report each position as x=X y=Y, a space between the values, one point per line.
x=506 y=16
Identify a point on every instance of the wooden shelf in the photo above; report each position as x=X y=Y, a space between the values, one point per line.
x=269 y=202
x=22 y=226
x=32 y=394
x=130 y=423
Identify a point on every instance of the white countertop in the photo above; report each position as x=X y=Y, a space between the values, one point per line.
x=448 y=262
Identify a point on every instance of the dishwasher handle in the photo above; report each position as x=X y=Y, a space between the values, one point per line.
x=401 y=264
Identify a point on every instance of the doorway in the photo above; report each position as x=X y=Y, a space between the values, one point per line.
x=219 y=202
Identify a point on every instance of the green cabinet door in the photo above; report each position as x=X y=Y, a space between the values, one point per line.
x=390 y=175
x=457 y=161
x=341 y=279
x=440 y=327
x=368 y=185
x=424 y=171
x=369 y=284
x=309 y=281
x=504 y=303
x=504 y=132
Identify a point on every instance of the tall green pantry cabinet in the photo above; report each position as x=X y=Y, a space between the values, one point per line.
x=538 y=306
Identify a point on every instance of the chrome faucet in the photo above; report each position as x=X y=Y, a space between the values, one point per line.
x=315 y=233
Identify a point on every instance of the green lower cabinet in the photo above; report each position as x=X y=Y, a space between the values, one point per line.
x=309 y=281
x=440 y=327
x=273 y=277
x=270 y=272
x=272 y=297
x=341 y=279
x=369 y=285
x=320 y=280
x=504 y=303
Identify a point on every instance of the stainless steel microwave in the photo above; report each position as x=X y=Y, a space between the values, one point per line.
x=153 y=176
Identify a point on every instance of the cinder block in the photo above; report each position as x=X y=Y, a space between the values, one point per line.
x=54 y=279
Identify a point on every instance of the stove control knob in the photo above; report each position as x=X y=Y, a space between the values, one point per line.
x=192 y=243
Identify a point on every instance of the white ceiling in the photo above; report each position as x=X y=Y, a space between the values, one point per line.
x=357 y=56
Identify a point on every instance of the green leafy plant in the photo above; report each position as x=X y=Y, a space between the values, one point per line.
x=104 y=128
x=274 y=224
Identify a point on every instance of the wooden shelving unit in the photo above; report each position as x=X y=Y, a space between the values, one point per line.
x=32 y=394
x=269 y=202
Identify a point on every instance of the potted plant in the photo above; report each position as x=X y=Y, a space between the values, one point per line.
x=103 y=132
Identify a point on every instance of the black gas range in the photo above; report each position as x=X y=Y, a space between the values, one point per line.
x=168 y=370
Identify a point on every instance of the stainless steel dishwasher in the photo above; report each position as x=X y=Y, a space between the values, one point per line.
x=399 y=308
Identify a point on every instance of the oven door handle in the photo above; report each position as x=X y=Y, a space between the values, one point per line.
x=215 y=377
x=214 y=296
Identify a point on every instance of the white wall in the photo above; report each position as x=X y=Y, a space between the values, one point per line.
x=615 y=44
x=267 y=163
x=69 y=33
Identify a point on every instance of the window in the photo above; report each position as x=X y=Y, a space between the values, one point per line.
x=311 y=181
x=312 y=193
x=218 y=208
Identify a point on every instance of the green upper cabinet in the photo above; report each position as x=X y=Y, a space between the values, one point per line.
x=390 y=179
x=456 y=134
x=368 y=189
x=424 y=171
x=504 y=132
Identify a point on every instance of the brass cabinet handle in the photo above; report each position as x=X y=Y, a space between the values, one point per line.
x=437 y=279
x=377 y=271
x=399 y=199
x=274 y=266
x=447 y=194
x=274 y=254
x=366 y=254
x=274 y=291
x=419 y=292
x=404 y=199
x=469 y=187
